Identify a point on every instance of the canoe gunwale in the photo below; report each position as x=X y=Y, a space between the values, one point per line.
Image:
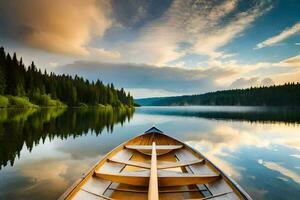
x=105 y=158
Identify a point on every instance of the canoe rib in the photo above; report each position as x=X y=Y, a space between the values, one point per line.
x=165 y=165
x=163 y=180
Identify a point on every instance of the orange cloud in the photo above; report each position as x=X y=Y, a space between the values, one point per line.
x=59 y=26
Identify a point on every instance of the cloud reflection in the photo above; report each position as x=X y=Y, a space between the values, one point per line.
x=282 y=170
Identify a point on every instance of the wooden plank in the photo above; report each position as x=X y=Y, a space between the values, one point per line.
x=167 y=165
x=160 y=150
x=159 y=191
x=138 y=179
x=220 y=187
x=215 y=196
x=98 y=195
x=164 y=178
x=216 y=187
x=185 y=155
x=201 y=172
x=164 y=165
x=186 y=180
x=98 y=186
x=153 y=182
x=158 y=147
x=82 y=194
x=131 y=163
x=128 y=190
x=72 y=191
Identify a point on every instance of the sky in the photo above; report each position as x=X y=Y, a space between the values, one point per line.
x=159 y=47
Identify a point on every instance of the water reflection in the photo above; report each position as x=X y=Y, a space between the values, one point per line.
x=263 y=157
x=236 y=113
x=20 y=127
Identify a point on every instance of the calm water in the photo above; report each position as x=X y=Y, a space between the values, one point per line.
x=42 y=152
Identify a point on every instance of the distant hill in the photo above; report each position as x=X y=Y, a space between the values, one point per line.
x=281 y=95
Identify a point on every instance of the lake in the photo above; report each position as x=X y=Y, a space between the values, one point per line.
x=43 y=151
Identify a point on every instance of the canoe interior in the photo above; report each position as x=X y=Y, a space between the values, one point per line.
x=182 y=173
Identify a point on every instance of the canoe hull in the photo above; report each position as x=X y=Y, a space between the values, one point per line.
x=181 y=173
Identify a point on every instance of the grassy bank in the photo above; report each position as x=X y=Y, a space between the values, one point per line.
x=24 y=102
x=46 y=101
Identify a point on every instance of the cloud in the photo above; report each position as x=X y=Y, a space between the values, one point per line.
x=225 y=139
x=56 y=26
x=145 y=92
x=288 y=32
x=53 y=64
x=149 y=80
x=282 y=170
x=141 y=76
x=204 y=25
x=217 y=36
x=296 y=156
x=293 y=61
x=128 y=13
x=267 y=82
x=251 y=82
x=102 y=53
x=259 y=74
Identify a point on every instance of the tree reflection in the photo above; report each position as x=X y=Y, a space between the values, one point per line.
x=286 y=115
x=29 y=126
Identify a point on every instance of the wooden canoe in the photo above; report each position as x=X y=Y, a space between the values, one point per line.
x=155 y=166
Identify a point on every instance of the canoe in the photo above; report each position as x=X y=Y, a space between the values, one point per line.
x=155 y=166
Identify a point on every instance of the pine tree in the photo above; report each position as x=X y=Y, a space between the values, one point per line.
x=2 y=71
x=15 y=79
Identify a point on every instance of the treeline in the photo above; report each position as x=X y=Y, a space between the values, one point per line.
x=281 y=95
x=18 y=80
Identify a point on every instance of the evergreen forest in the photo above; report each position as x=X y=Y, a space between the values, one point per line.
x=276 y=95
x=21 y=85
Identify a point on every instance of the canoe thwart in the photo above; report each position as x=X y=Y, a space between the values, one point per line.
x=167 y=165
x=160 y=149
x=168 y=179
x=160 y=191
x=149 y=147
x=164 y=165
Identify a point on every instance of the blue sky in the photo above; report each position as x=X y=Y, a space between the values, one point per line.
x=162 y=47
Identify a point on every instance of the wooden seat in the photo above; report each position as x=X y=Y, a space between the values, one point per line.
x=159 y=191
x=164 y=165
x=131 y=163
x=167 y=165
x=160 y=149
x=165 y=178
